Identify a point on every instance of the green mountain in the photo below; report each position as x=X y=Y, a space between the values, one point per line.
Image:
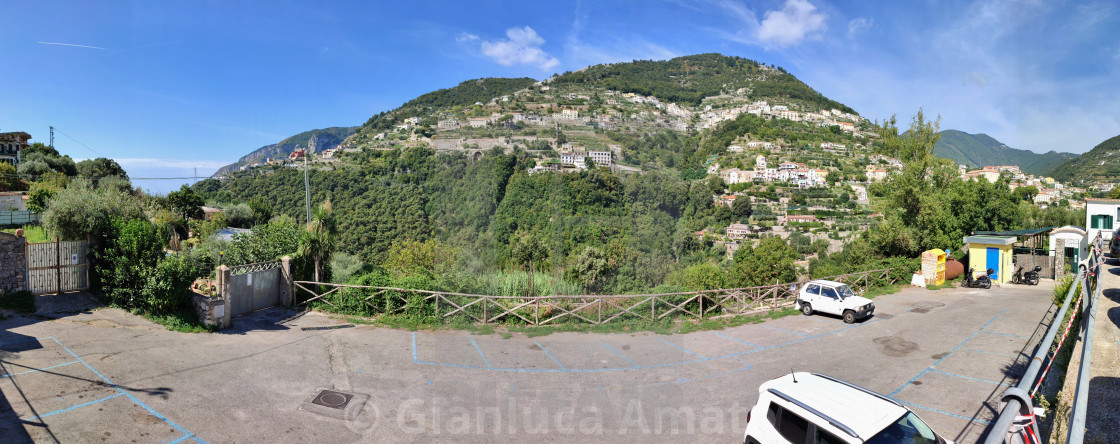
x=977 y=150
x=465 y=94
x=690 y=79
x=314 y=140
x=1100 y=164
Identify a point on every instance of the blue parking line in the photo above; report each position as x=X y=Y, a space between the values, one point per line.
x=954 y=350
x=9 y=375
x=978 y=421
x=747 y=367
x=414 y=347
x=487 y=361
x=682 y=348
x=787 y=331
x=970 y=378
x=181 y=439
x=73 y=407
x=1005 y=334
x=134 y=399
x=736 y=340
x=619 y=354
x=545 y=350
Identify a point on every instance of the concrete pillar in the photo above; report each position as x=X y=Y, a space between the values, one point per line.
x=224 y=288
x=287 y=289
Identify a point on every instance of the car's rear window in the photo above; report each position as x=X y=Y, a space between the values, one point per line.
x=814 y=289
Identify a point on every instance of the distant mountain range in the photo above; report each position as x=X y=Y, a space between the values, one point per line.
x=314 y=140
x=1100 y=165
x=977 y=150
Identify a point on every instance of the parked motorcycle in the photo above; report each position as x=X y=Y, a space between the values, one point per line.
x=984 y=281
x=1028 y=278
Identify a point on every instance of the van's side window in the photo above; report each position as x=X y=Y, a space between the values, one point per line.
x=823 y=437
x=814 y=289
x=793 y=427
x=828 y=292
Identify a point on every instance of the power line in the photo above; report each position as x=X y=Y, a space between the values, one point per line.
x=79 y=142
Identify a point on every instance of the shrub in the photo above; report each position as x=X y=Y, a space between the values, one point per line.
x=81 y=211
x=123 y=262
x=167 y=287
x=344 y=266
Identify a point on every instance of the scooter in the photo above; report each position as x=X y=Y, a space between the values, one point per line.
x=984 y=281
x=1029 y=278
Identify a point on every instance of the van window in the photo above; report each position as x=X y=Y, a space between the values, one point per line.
x=828 y=292
x=823 y=437
x=792 y=427
x=814 y=289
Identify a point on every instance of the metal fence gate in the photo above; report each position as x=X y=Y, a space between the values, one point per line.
x=55 y=267
x=254 y=286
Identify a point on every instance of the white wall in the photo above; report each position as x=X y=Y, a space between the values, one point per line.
x=1079 y=239
x=1101 y=208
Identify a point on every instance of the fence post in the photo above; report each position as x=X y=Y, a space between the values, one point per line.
x=224 y=288
x=287 y=290
x=58 y=265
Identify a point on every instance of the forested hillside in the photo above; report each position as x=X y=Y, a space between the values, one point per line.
x=1100 y=164
x=690 y=79
x=641 y=225
x=464 y=94
x=977 y=150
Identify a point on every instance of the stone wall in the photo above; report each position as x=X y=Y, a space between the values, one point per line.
x=13 y=263
x=211 y=310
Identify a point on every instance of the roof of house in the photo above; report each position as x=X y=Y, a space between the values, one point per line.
x=1026 y=232
x=990 y=240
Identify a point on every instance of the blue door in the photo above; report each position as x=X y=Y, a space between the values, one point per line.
x=993 y=261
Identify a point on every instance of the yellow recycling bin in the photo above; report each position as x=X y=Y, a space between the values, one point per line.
x=933 y=266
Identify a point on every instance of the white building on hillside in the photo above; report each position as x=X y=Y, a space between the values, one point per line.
x=1100 y=217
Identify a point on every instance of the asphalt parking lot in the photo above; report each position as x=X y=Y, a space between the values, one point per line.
x=107 y=376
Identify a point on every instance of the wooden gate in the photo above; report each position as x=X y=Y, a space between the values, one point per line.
x=55 y=267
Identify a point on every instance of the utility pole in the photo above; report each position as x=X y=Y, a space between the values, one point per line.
x=52 y=137
x=306 y=186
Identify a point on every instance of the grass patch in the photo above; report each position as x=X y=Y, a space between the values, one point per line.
x=663 y=327
x=882 y=290
x=22 y=301
x=33 y=233
x=183 y=321
x=947 y=284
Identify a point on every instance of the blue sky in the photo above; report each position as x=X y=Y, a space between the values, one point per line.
x=164 y=87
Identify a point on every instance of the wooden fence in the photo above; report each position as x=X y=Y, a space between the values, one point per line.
x=545 y=310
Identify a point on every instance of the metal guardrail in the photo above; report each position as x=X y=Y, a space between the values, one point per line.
x=1017 y=400
x=1081 y=398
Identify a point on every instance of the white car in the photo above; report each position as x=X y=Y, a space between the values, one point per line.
x=805 y=408
x=834 y=298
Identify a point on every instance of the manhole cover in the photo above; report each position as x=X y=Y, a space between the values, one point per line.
x=920 y=310
x=332 y=399
x=883 y=315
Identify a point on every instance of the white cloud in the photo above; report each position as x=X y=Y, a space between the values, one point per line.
x=466 y=37
x=521 y=47
x=790 y=25
x=859 y=25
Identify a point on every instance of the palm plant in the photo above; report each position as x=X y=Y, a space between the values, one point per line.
x=318 y=237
